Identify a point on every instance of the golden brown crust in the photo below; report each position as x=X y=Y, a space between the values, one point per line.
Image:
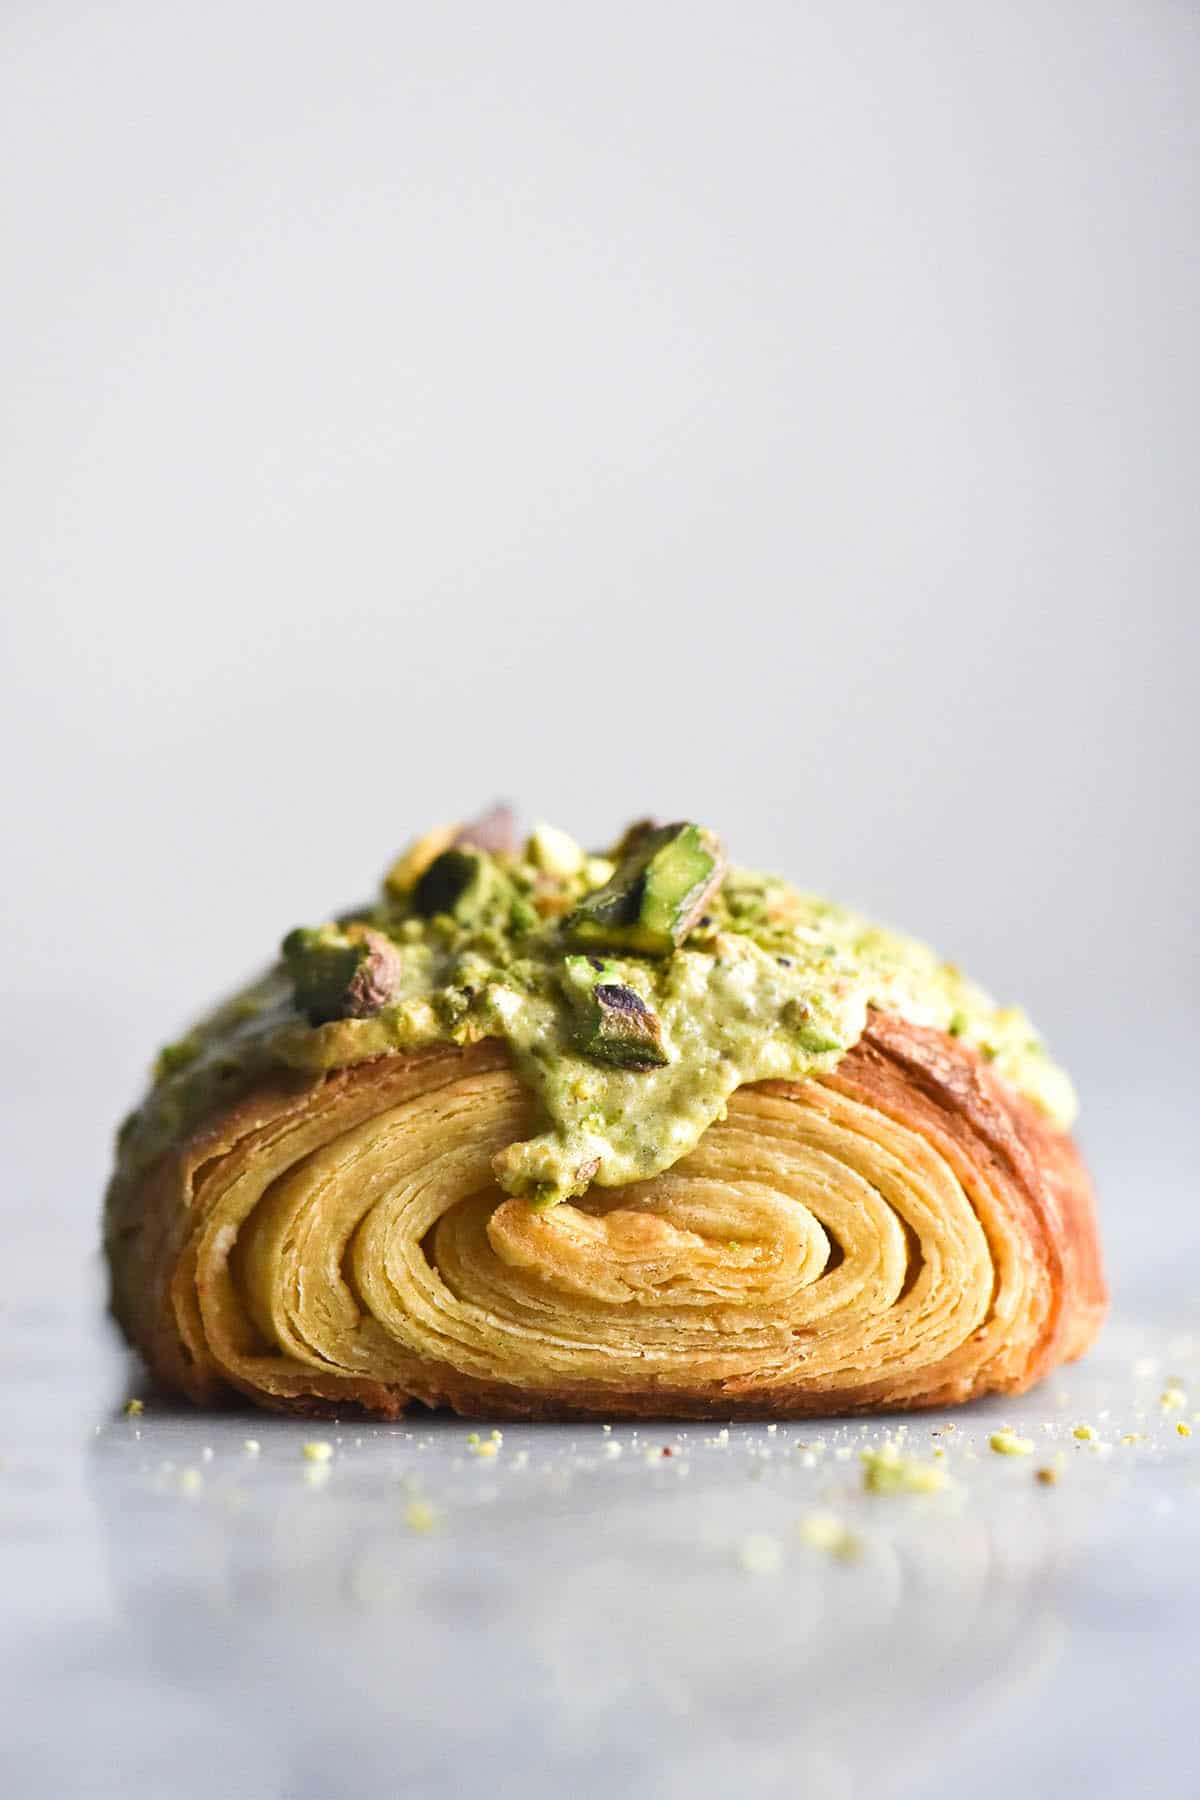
x=916 y=1234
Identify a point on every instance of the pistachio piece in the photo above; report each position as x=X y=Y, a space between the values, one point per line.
x=409 y=867
x=340 y=974
x=797 y=1018
x=632 y=838
x=462 y=882
x=493 y=831
x=376 y=981
x=174 y=1057
x=613 y=1023
x=554 y=853
x=660 y=888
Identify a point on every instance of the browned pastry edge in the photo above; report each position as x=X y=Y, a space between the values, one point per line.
x=923 y=1079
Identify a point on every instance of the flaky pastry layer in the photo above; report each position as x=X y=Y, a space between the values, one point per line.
x=903 y=1232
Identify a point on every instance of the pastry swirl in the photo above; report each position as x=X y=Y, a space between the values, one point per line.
x=894 y=1225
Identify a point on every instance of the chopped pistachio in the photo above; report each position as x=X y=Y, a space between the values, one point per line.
x=797 y=1016
x=341 y=974
x=1087 y=1434
x=174 y=1057
x=1172 y=1399
x=461 y=882
x=493 y=831
x=613 y=1022
x=1183 y=1428
x=554 y=852
x=317 y=1451
x=598 y=871
x=407 y=870
x=662 y=884
x=134 y=1408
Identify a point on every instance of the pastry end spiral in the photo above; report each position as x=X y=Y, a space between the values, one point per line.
x=902 y=1230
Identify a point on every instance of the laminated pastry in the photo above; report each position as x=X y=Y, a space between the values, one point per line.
x=546 y=1134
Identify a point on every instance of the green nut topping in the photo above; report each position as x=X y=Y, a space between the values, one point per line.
x=632 y=994
x=174 y=1057
x=455 y=882
x=337 y=974
x=665 y=878
x=613 y=1022
x=798 y=1018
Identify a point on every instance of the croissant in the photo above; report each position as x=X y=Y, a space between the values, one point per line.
x=549 y=1135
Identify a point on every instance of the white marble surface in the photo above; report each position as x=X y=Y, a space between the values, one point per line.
x=834 y=368
x=184 y=1618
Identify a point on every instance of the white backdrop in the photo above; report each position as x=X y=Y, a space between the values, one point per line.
x=784 y=414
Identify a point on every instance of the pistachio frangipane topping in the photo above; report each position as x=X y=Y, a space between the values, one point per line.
x=634 y=990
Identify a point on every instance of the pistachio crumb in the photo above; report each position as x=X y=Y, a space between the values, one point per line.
x=886 y=1471
x=1172 y=1398
x=1007 y=1443
x=134 y=1409
x=825 y=1531
x=420 y=1516
x=1183 y=1428
x=317 y=1451
x=1087 y=1434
